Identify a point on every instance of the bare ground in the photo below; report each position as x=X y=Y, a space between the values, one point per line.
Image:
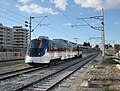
x=99 y=76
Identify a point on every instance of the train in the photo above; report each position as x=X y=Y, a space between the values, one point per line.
x=42 y=50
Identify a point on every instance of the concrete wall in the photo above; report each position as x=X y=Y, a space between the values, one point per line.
x=11 y=55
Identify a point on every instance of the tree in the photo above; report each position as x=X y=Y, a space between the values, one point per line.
x=86 y=44
x=117 y=47
x=97 y=46
x=107 y=46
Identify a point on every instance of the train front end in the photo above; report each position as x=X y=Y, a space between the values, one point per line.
x=36 y=52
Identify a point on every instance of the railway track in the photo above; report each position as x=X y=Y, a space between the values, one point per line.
x=10 y=72
x=51 y=81
x=15 y=73
x=26 y=79
x=7 y=75
x=7 y=63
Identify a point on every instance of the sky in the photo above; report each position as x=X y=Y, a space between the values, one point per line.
x=65 y=19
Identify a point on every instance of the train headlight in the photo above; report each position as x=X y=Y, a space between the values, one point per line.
x=38 y=53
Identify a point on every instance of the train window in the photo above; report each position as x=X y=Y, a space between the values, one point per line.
x=60 y=47
x=36 y=44
x=50 y=46
x=55 y=47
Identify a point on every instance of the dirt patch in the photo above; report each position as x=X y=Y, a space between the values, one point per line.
x=104 y=77
x=99 y=77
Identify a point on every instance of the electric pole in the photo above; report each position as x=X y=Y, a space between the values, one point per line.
x=97 y=28
x=30 y=29
x=103 y=36
x=30 y=25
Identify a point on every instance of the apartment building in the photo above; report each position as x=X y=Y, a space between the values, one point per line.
x=13 y=39
x=20 y=38
x=5 y=38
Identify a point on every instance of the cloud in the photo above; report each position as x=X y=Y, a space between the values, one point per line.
x=92 y=23
x=111 y=4
x=98 y=4
x=67 y=24
x=117 y=23
x=61 y=4
x=4 y=3
x=81 y=13
x=23 y=1
x=88 y=3
x=34 y=8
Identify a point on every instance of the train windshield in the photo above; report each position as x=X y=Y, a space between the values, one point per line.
x=36 y=48
x=36 y=44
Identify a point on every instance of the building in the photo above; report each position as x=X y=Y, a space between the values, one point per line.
x=5 y=38
x=20 y=38
x=13 y=39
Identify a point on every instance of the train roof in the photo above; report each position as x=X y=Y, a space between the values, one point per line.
x=62 y=41
x=58 y=41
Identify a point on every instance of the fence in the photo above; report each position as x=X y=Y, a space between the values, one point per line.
x=12 y=55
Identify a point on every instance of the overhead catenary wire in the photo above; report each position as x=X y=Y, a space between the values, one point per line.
x=66 y=17
x=11 y=20
x=94 y=4
x=56 y=30
x=12 y=16
x=21 y=14
x=38 y=24
x=87 y=23
x=66 y=35
x=77 y=24
x=94 y=17
x=14 y=12
x=61 y=12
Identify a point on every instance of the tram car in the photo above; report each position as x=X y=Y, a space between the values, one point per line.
x=46 y=51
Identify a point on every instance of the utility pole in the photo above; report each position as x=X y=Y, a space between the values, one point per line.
x=30 y=26
x=97 y=28
x=30 y=29
x=103 y=36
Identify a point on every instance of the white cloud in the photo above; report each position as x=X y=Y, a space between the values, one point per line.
x=23 y=1
x=61 y=4
x=98 y=4
x=117 y=23
x=34 y=8
x=81 y=13
x=110 y=4
x=92 y=23
x=67 y=24
x=89 y=3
